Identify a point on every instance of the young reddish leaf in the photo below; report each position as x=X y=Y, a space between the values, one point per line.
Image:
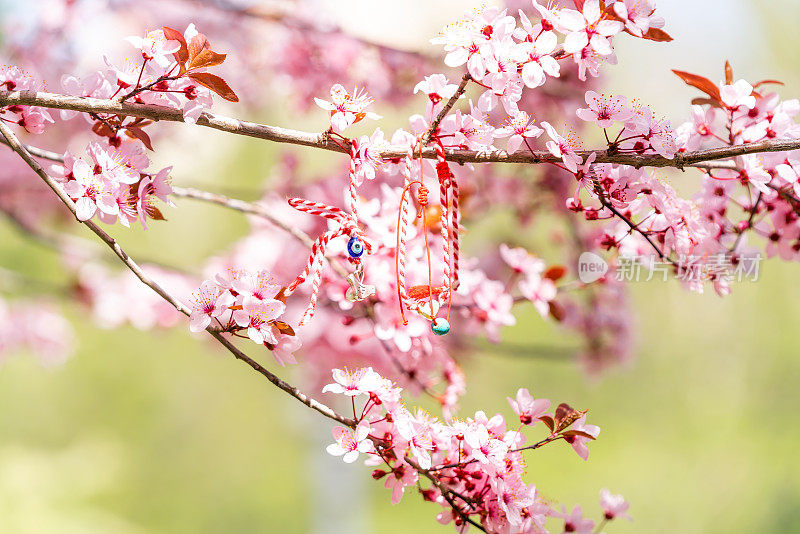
x=182 y=55
x=570 y=433
x=155 y=213
x=565 y=415
x=138 y=121
x=658 y=35
x=764 y=82
x=197 y=44
x=547 y=420
x=578 y=4
x=206 y=58
x=704 y=84
x=556 y=311
x=728 y=73
x=281 y=296
x=555 y=273
x=284 y=328
x=706 y=101
x=216 y=84
x=141 y=135
x=102 y=129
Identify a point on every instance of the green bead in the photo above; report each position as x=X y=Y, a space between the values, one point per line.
x=440 y=326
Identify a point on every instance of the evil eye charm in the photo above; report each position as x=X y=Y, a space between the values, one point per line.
x=440 y=326
x=355 y=247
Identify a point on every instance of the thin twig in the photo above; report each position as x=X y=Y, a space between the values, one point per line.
x=320 y=140
x=635 y=228
x=446 y=109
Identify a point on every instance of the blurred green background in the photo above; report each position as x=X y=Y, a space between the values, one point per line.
x=161 y=432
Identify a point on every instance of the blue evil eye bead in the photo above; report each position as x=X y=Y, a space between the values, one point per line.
x=440 y=326
x=355 y=247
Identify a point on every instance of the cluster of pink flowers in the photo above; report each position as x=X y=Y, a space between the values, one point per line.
x=504 y=57
x=114 y=185
x=765 y=186
x=475 y=465
x=250 y=302
x=33 y=119
x=641 y=134
x=173 y=73
x=537 y=283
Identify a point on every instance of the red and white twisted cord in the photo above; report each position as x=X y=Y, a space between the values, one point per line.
x=444 y=176
x=348 y=225
x=402 y=230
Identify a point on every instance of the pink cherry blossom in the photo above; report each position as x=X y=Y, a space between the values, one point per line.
x=564 y=147
x=438 y=89
x=350 y=442
x=605 y=110
x=527 y=408
x=154 y=46
x=257 y=316
x=352 y=383
x=575 y=522
x=208 y=302
x=401 y=477
x=347 y=108
x=521 y=260
x=638 y=15
x=588 y=28
x=91 y=192
x=578 y=442
x=284 y=349
x=518 y=128
x=614 y=506
x=738 y=94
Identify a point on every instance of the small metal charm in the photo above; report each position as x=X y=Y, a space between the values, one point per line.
x=358 y=290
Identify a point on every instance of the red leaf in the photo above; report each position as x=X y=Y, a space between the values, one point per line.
x=182 y=55
x=565 y=415
x=216 y=84
x=281 y=296
x=206 y=58
x=728 y=73
x=556 y=311
x=658 y=35
x=704 y=84
x=706 y=101
x=555 y=273
x=155 y=213
x=546 y=419
x=197 y=44
x=102 y=129
x=763 y=82
x=581 y=433
x=141 y=135
x=284 y=328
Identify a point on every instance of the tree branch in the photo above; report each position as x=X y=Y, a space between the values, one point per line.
x=17 y=147
x=321 y=140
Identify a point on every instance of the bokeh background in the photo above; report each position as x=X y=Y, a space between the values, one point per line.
x=161 y=432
